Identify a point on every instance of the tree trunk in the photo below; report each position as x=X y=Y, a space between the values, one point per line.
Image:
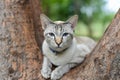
x=20 y=57
x=21 y=34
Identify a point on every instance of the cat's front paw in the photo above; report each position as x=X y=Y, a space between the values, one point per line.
x=56 y=74
x=46 y=73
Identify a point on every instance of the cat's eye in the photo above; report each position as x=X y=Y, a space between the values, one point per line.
x=65 y=34
x=51 y=34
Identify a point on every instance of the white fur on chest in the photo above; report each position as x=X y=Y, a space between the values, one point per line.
x=60 y=58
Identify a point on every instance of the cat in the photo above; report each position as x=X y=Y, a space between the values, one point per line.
x=61 y=48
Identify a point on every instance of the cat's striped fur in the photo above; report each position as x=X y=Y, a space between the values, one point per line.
x=61 y=48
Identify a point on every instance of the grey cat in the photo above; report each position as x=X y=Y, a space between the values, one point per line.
x=61 y=48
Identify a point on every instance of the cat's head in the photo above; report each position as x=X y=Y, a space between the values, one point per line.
x=58 y=34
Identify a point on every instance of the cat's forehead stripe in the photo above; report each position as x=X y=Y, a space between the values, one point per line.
x=58 y=28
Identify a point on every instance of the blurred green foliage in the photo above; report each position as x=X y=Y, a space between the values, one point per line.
x=93 y=19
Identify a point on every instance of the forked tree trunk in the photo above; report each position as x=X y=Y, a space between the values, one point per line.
x=21 y=34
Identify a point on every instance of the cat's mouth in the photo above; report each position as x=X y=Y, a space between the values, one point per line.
x=58 y=47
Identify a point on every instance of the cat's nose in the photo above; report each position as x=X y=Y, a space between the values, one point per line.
x=58 y=40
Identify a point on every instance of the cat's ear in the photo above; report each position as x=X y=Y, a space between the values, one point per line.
x=44 y=20
x=73 y=20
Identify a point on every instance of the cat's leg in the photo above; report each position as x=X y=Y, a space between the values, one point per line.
x=61 y=70
x=46 y=68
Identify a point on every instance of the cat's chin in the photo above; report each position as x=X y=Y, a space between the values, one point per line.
x=59 y=49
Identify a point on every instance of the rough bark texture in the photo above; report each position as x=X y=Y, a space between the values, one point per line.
x=20 y=57
x=21 y=34
x=36 y=10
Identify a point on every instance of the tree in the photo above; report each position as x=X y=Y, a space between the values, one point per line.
x=21 y=58
x=20 y=32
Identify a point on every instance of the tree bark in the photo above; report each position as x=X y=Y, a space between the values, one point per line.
x=21 y=38
x=20 y=57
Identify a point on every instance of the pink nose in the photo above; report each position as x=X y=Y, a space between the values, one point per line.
x=58 y=40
